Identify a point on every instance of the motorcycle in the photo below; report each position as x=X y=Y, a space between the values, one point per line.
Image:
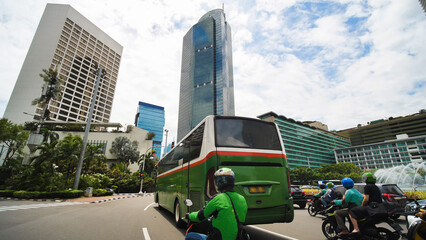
x=416 y=225
x=329 y=226
x=367 y=227
x=315 y=206
x=205 y=227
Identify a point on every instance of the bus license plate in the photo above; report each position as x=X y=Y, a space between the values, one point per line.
x=257 y=189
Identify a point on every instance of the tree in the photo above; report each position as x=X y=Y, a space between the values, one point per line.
x=339 y=171
x=125 y=150
x=69 y=152
x=14 y=137
x=50 y=90
x=94 y=159
x=303 y=175
x=150 y=136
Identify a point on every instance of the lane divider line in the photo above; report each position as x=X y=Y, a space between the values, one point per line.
x=149 y=206
x=145 y=234
x=272 y=233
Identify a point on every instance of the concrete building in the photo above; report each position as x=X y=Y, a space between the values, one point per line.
x=383 y=130
x=207 y=84
x=151 y=118
x=305 y=145
x=401 y=151
x=67 y=40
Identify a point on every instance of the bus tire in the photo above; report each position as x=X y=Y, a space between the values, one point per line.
x=178 y=220
x=158 y=202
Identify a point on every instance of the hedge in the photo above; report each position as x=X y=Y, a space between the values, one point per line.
x=51 y=195
x=58 y=194
x=102 y=192
x=6 y=193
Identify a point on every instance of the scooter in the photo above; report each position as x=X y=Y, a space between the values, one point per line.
x=368 y=228
x=416 y=226
x=329 y=227
x=315 y=206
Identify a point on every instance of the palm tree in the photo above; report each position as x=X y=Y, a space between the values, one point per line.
x=51 y=91
x=69 y=150
x=94 y=155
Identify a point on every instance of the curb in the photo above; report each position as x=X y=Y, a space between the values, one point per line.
x=116 y=198
x=119 y=196
x=35 y=200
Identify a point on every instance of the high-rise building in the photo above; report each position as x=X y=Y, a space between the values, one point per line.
x=151 y=118
x=403 y=150
x=385 y=130
x=305 y=145
x=67 y=40
x=207 y=85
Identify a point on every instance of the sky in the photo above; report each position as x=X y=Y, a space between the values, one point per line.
x=343 y=62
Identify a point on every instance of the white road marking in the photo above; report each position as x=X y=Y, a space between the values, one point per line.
x=31 y=206
x=148 y=206
x=145 y=234
x=272 y=233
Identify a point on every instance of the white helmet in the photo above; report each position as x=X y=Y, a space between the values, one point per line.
x=224 y=177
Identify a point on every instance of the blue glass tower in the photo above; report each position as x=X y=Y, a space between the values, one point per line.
x=151 y=118
x=207 y=84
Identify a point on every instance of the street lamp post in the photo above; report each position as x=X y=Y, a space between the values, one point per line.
x=143 y=168
x=165 y=145
x=86 y=130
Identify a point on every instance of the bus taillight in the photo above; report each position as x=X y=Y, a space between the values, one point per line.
x=288 y=181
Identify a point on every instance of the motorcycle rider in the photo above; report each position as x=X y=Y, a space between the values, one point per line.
x=329 y=195
x=220 y=207
x=323 y=191
x=372 y=194
x=351 y=199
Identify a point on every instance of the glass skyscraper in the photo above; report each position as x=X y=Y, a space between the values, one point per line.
x=207 y=85
x=151 y=118
x=305 y=145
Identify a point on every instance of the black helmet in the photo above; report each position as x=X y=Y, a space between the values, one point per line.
x=224 y=177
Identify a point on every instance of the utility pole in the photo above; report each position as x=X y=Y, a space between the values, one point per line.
x=165 y=145
x=86 y=131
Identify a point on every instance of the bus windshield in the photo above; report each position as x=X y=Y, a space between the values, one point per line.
x=246 y=133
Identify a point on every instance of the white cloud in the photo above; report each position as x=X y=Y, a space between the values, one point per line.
x=301 y=64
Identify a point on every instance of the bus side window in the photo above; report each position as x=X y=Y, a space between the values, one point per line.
x=193 y=144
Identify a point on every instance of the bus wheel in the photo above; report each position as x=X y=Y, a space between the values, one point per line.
x=158 y=202
x=178 y=220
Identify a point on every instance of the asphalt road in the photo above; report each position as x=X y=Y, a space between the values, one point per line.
x=131 y=218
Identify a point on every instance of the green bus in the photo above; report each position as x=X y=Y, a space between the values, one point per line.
x=252 y=148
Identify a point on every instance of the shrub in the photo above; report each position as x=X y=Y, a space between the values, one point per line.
x=26 y=195
x=416 y=194
x=102 y=192
x=99 y=192
x=70 y=194
x=6 y=193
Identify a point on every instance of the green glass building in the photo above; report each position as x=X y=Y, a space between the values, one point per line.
x=305 y=145
x=401 y=151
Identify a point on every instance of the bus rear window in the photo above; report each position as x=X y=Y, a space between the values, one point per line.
x=246 y=133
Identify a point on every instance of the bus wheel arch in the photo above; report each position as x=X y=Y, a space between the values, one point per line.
x=178 y=219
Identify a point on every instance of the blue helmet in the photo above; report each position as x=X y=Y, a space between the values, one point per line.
x=347 y=182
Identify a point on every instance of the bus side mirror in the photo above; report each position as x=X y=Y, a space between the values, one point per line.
x=188 y=202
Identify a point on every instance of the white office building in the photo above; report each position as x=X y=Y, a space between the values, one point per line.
x=69 y=41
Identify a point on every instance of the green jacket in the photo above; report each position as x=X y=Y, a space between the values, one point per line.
x=321 y=193
x=351 y=196
x=224 y=218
